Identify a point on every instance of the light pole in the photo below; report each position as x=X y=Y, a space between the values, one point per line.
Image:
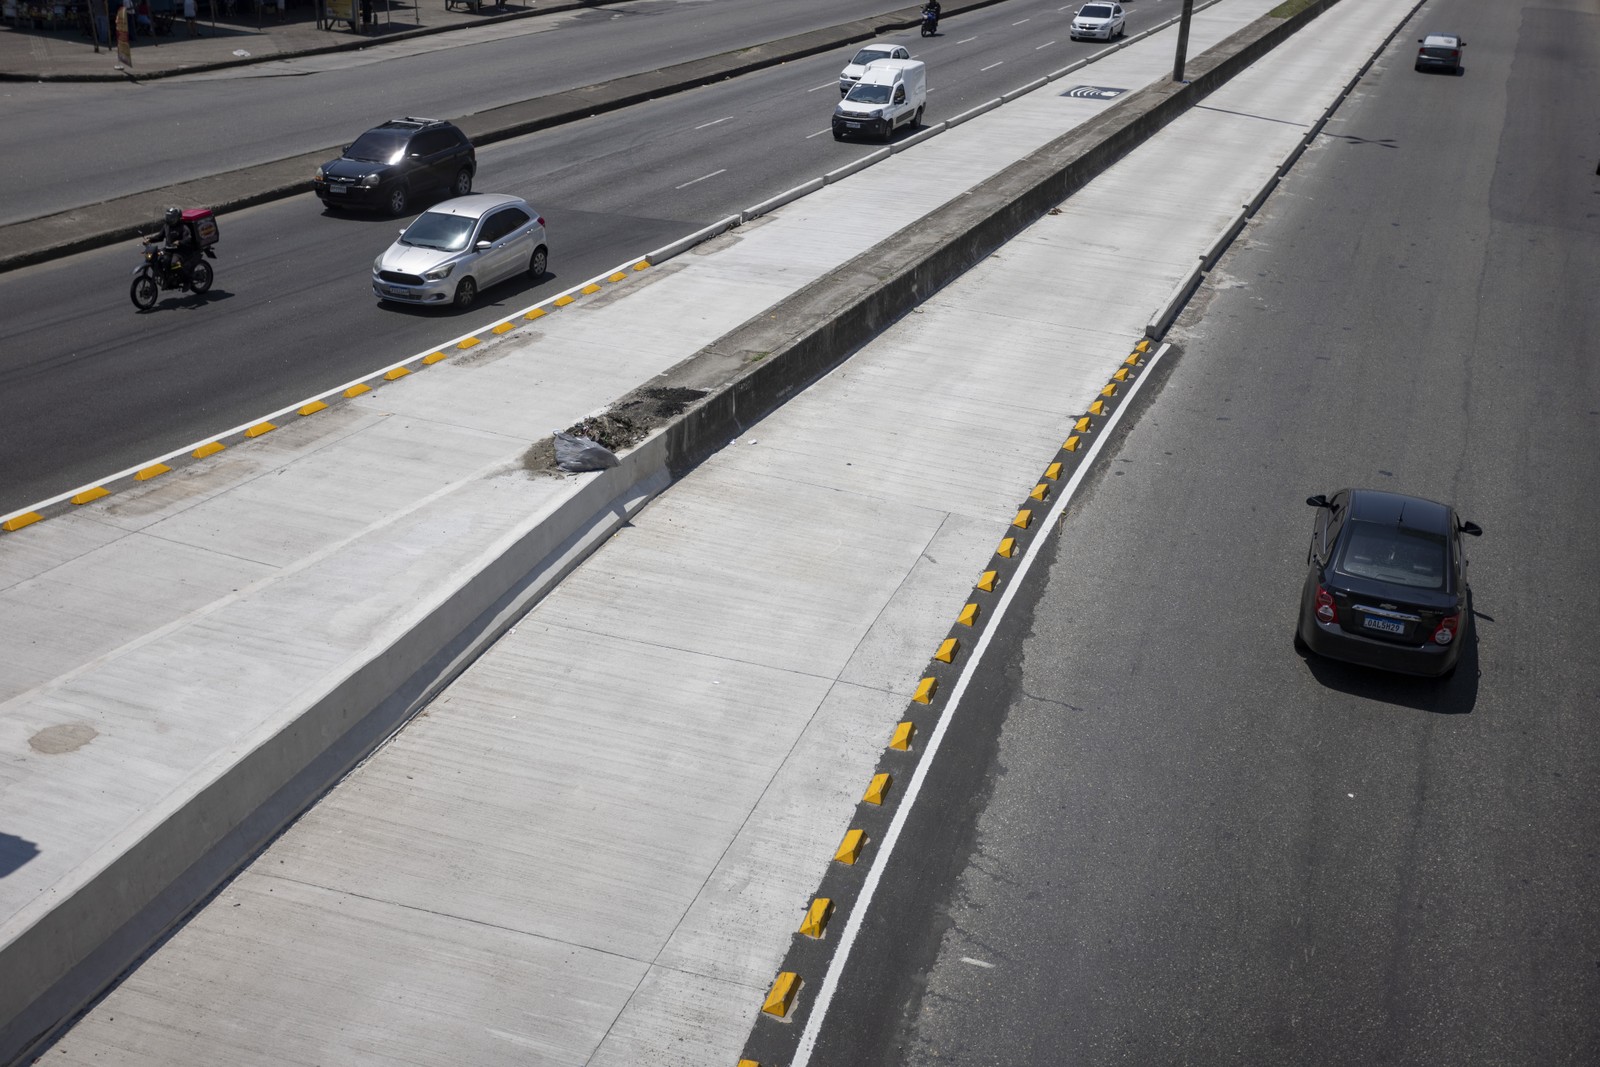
x=1183 y=40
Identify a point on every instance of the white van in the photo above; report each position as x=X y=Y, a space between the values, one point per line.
x=864 y=55
x=890 y=94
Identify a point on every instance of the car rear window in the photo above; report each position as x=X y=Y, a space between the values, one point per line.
x=1439 y=53
x=380 y=146
x=1095 y=11
x=435 y=229
x=1395 y=554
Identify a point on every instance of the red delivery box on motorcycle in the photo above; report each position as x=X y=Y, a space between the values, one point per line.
x=204 y=224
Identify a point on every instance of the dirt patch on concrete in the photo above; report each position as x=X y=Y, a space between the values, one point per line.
x=620 y=427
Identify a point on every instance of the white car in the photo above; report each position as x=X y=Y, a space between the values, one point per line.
x=858 y=63
x=458 y=248
x=1098 y=22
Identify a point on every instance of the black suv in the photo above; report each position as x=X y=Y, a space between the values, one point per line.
x=391 y=163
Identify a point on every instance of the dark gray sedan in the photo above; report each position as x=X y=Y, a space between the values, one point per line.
x=1386 y=582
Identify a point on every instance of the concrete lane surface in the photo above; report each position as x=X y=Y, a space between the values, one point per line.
x=1192 y=844
x=611 y=862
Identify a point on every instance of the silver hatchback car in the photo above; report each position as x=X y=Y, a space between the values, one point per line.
x=458 y=248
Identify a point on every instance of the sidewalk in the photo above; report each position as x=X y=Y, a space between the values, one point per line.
x=595 y=846
x=68 y=55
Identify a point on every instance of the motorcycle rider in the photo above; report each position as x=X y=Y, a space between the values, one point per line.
x=176 y=238
x=930 y=13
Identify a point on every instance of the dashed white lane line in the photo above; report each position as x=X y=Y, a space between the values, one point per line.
x=966 y=40
x=977 y=963
x=830 y=85
x=1021 y=21
x=991 y=66
x=714 y=122
x=819 y=133
x=858 y=914
x=702 y=178
x=1047 y=44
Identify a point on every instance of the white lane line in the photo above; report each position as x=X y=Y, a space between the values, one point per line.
x=1047 y=44
x=704 y=125
x=966 y=40
x=830 y=982
x=702 y=178
x=1021 y=21
x=819 y=133
x=991 y=66
x=830 y=85
x=977 y=963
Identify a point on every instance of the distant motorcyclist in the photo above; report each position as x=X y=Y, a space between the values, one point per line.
x=177 y=238
x=930 y=17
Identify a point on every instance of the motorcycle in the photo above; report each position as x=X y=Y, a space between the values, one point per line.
x=164 y=268
x=930 y=22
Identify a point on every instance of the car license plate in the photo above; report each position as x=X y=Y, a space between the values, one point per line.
x=1388 y=626
x=338 y=189
x=852 y=125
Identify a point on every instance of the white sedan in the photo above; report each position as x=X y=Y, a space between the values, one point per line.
x=1098 y=22
x=457 y=248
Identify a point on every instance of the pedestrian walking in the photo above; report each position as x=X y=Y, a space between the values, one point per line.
x=189 y=14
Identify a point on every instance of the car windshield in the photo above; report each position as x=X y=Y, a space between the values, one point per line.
x=1095 y=11
x=869 y=94
x=1395 y=554
x=378 y=146
x=867 y=55
x=435 y=229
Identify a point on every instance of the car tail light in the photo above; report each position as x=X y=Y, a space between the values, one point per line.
x=1325 y=610
x=541 y=220
x=1445 y=632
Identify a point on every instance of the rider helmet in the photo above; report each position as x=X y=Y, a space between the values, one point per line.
x=174 y=214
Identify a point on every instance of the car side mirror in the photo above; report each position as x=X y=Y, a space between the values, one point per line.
x=1471 y=529
x=1318 y=501
x=481 y=245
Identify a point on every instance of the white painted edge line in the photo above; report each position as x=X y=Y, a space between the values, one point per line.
x=841 y=955
x=324 y=394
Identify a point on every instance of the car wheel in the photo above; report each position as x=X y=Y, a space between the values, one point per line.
x=466 y=293
x=397 y=200
x=463 y=184
x=540 y=263
x=1300 y=645
x=916 y=120
x=200 y=277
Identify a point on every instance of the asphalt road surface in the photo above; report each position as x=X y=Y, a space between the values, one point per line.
x=89 y=387
x=1166 y=838
x=131 y=137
